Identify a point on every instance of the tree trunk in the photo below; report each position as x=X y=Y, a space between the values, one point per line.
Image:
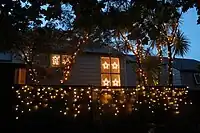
x=160 y=63
x=170 y=63
x=139 y=61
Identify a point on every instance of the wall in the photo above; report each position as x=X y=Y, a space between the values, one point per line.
x=176 y=77
x=130 y=74
x=85 y=71
x=188 y=80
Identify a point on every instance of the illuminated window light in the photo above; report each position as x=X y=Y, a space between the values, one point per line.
x=110 y=71
x=55 y=60
x=66 y=59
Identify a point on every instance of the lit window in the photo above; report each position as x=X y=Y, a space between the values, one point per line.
x=110 y=71
x=55 y=60
x=20 y=76
x=105 y=79
x=197 y=78
x=66 y=59
x=58 y=60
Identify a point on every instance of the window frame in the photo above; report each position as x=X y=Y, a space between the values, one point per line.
x=61 y=64
x=110 y=73
x=20 y=76
x=196 y=80
x=51 y=60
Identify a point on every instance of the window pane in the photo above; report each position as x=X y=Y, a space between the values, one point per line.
x=20 y=76
x=105 y=64
x=105 y=80
x=197 y=78
x=55 y=60
x=66 y=59
x=115 y=79
x=115 y=65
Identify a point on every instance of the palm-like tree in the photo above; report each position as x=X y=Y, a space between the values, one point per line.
x=181 y=44
x=178 y=45
x=151 y=66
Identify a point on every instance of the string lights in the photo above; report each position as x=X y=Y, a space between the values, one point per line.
x=159 y=48
x=170 y=62
x=32 y=72
x=110 y=71
x=69 y=61
x=116 y=100
x=139 y=56
x=170 y=41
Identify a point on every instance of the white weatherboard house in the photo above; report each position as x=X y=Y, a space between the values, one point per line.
x=101 y=66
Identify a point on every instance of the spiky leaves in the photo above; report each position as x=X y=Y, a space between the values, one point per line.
x=181 y=44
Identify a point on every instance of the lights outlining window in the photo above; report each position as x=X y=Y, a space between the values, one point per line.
x=59 y=60
x=66 y=59
x=55 y=60
x=197 y=78
x=110 y=71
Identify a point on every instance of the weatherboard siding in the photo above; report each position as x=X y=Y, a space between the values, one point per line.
x=188 y=80
x=176 y=77
x=130 y=74
x=85 y=71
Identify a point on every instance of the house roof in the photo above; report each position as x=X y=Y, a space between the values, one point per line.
x=102 y=50
x=186 y=64
x=178 y=63
x=94 y=48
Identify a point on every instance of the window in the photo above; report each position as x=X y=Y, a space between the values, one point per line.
x=110 y=71
x=66 y=59
x=55 y=60
x=20 y=76
x=59 y=60
x=197 y=78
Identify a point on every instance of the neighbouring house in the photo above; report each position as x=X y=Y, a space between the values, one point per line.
x=9 y=67
x=189 y=72
x=103 y=66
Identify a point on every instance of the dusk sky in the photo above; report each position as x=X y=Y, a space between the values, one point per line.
x=192 y=31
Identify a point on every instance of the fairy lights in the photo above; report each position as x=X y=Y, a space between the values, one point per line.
x=116 y=82
x=115 y=65
x=105 y=65
x=31 y=71
x=55 y=60
x=106 y=82
x=159 y=48
x=142 y=78
x=65 y=59
x=110 y=71
x=140 y=55
x=80 y=100
x=70 y=60
x=170 y=41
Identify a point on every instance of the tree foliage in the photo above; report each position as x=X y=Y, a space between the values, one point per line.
x=18 y=16
x=53 y=24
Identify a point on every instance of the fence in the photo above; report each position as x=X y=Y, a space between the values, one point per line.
x=78 y=100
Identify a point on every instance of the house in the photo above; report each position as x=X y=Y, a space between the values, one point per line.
x=189 y=72
x=104 y=66
x=9 y=67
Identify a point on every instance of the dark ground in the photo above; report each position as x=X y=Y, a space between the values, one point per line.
x=48 y=121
